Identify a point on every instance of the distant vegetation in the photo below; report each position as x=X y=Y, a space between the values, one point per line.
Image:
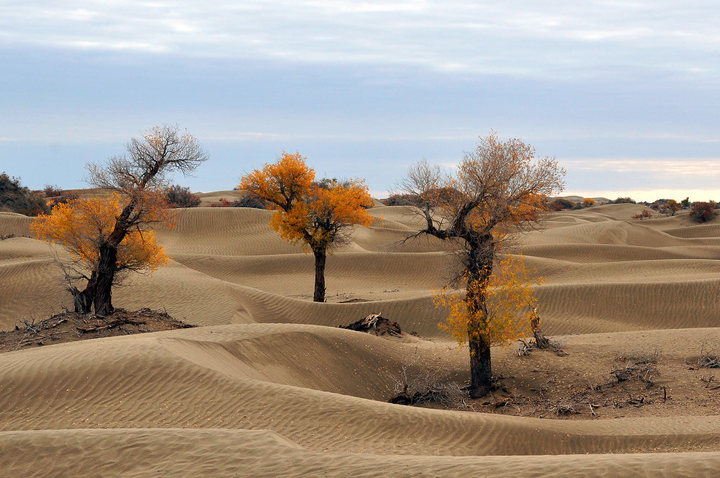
x=667 y=207
x=644 y=214
x=17 y=198
x=703 y=211
x=247 y=200
x=561 y=204
x=179 y=196
x=402 y=200
x=56 y=195
x=625 y=200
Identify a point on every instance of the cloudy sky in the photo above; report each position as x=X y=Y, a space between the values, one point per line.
x=626 y=95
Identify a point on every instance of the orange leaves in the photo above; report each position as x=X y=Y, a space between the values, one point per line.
x=281 y=183
x=509 y=299
x=314 y=213
x=81 y=225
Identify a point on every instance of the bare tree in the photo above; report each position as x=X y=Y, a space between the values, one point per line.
x=498 y=186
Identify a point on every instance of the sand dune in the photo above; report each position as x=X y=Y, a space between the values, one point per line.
x=270 y=386
x=227 y=452
x=14 y=224
x=290 y=389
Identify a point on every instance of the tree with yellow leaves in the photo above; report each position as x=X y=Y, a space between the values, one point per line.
x=318 y=214
x=509 y=301
x=498 y=187
x=109 y=234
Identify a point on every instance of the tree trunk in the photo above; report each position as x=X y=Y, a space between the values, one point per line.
x=481 y=255
x=320 y=256
x=480 y=366
x=106 y=268
x=83 y=300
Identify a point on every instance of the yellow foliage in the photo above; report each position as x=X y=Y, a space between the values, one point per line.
x=305 y=211
x=282 y=182
x=82 y=224
x=509 y=301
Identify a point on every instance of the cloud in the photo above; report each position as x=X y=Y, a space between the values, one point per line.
x=649 y=194
x=526 y=37
x=658 y=167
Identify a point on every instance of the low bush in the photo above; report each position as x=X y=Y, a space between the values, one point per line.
x=645 y=214
x=560 y=204
x=666 y=206
x=250 y=201
x=179 y=196
x=703 y=211
x=625 y=200
x=402 y=200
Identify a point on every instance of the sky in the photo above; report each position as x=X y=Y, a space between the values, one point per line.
x=624 y=94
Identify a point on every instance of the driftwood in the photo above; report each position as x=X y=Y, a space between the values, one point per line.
x=375 y=324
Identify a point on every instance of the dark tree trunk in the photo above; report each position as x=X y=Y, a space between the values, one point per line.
x=106 y=268
x=480 y=365
x=480 y=258
x=83 y=300
x=320 y=256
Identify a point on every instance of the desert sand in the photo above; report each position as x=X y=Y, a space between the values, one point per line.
x=268 y=385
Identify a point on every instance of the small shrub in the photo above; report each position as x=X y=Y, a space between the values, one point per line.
x=624 y=200
x=587 y=202
x=250 y=201
x=52 y=191
x=222 y=202
x=645 y=214
x=560 y=204
x=666 y=206
x=64 y=197
x=245 y=201
x=402 y=200
x=707 y=359
x=179 y=196
x=703 y=211
x=640 y=367
x=418 y=386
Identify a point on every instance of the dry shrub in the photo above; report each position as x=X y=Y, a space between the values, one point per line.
x=645 y=214
x=418 y=385
x=179 y=196
x=560 y=204
x=52 y=191
x=707 y=359
x=642 y=367
x=625 y=200
x=252 y=201
x=703 y=211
